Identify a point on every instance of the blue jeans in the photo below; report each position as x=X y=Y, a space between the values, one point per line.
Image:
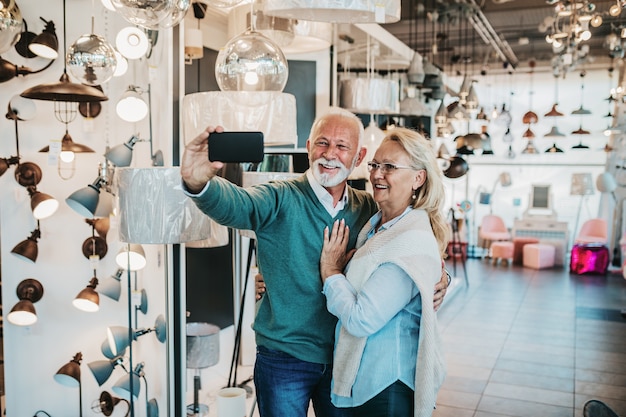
x=285 y=385
x=394 y=401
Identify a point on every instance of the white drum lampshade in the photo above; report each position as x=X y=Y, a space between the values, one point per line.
x=154 y=209
x=369 y=95
x=193 y=44
x=203 y=345
x=349 y=11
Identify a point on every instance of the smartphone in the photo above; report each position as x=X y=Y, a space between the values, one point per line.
x=236 y=147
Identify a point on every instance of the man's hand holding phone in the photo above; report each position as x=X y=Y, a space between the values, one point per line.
x=196 y=169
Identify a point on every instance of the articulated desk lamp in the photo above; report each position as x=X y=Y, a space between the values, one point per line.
x=203 y=351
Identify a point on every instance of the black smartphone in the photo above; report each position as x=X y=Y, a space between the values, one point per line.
x=236 y=147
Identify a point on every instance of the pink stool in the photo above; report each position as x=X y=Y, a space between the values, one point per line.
x=539 y=255
x=518 y=248
x=589 y=258
x=502 y=251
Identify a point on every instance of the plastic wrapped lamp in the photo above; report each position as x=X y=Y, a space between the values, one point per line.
x=154 y=210
x=251 y=62
x=131 y=257
x=203 y=351
x=88 y=299
x=353 y=11
x=370 y=95
x=310 y=37
x=23 y=313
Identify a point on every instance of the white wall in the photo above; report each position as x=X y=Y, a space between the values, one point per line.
x=33 y=355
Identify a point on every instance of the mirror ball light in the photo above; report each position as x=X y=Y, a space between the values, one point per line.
x=91 y=59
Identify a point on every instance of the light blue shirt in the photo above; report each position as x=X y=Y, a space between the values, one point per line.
x=387 y=311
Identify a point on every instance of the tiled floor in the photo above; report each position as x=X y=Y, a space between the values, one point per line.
x=527 y=343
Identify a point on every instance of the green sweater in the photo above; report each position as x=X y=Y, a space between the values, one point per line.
x=288 y=221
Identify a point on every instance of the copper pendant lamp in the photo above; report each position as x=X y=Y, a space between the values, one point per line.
x=64 y=89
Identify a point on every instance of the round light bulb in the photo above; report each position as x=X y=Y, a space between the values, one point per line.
x=596 y=20
x=67 y=156
x=615 y=10
x=91 y=59
x=585 y=35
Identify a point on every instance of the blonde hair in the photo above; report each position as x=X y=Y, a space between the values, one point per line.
x=431 y=195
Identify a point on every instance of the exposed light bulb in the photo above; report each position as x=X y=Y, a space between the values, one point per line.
x=67 y=156
x=596 y=20
x=615 y=10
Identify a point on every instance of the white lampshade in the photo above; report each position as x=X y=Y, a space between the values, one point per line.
x=310 y=37
x=122 y=64
x=193 y=44
x=131 y=257
x=271 y=112
x=349 y=11
x=606 y=182
x=154 y=210
x=132 y=42
x=24 y=108
x=369 y=95
x=582 y=184
x=132 y=107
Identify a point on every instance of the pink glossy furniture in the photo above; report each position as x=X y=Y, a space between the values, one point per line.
x=539 y=255
x=493 y=229
x=593 y=231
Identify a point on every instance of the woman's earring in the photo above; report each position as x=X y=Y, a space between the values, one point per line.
x=414 y=196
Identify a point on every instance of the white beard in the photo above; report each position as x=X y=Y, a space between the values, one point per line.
x=327 y=179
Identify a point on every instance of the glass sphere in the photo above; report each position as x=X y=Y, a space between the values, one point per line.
x=251 y=62
x=152 y=14
x=10 y=24
x=91 y=59
x=223 y=3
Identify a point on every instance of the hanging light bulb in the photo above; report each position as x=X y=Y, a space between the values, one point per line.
x=251 y=62
x=615 y=9
x=10 y=24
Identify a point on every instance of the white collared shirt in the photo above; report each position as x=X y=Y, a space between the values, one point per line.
x=324 y=196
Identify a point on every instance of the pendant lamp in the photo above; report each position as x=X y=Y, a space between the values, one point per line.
x=10 y=24
x=64 y=89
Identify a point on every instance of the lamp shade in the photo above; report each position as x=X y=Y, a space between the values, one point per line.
x=103 y=369
x=131 y=107
x=28 y=249
x=271 y=112
x=88 y=299
x=46 y=44
x=112 y=286
x=123 y=386
x=370 y=95
x=131 y=257
x=91 y=59
x=10 y=24
x=85 y=200
x=132 y=42
x=29 y=291
x=352 y=11
x=154 y=210
x=69 y=374
x=203 y=345
x=122 y=155
x=42 y=205
x=606 y=183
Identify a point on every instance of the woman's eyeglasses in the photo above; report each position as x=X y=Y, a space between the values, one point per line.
x=385 y=168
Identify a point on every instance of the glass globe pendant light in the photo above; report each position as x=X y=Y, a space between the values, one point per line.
x=91 y=58
x=10 y=24
x=152 y=14
x=251 y=62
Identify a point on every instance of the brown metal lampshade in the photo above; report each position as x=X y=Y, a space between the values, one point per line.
x=68 y=145
x=529 y=134
x=553 y=112
x=580 y=131
x=530 y=117
x=28 y=248
x=88 y=298
x=69 y=374
x=23 y=313
x=65 y=90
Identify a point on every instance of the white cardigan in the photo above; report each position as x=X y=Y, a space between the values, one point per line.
x=410 y=244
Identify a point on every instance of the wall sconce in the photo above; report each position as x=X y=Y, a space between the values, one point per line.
x=28 y=249
x=103 y=369
x=119 y=339
x=23 y=312
x=106 y=350
x=122 y=155
x=43 y=205
x=112 y=286
x=130 y=385
x=44 y=45
x=69 y=375
x=131 y=257
x=107 y=403
x=85 y=200
x=88 y=299
x=131 y=107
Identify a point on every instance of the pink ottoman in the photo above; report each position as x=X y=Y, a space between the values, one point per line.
x=502 y=251
x=539 y=255
x=518 y=248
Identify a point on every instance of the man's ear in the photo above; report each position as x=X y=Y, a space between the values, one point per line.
x=361 y=155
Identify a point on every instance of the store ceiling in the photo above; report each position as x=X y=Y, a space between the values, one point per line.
x=516 y=24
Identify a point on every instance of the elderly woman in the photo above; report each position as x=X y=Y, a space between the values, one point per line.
x=388 y=359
